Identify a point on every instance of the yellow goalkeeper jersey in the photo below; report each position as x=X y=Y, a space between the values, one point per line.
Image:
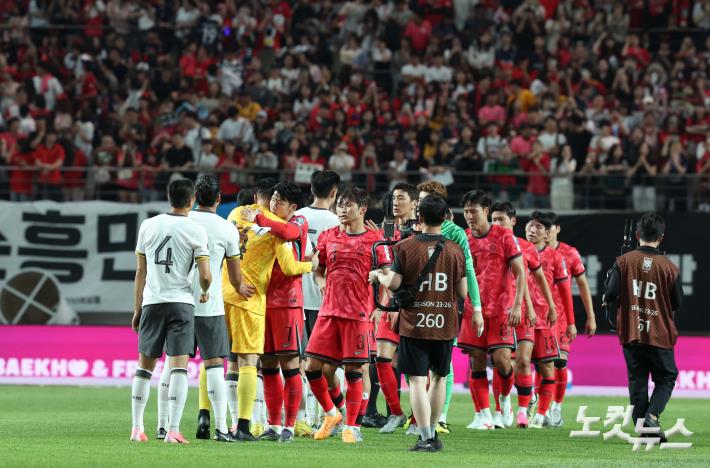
x=259 y=252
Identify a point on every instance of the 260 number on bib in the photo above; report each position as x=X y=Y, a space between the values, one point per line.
x=430 y=320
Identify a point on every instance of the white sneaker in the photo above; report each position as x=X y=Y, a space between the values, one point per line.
x=486 y=421
x=532 y=407
x=498 y=420
x=555 y=415
x=413 y=430
x=507 y=410
x=393 y=422
x=475 y=424
x=537 y=422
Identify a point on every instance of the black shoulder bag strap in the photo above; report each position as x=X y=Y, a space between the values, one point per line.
x=430 y=264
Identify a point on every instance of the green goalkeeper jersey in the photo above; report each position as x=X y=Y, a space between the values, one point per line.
x=453 y=232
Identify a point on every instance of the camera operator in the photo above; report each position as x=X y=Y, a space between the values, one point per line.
x=647 y=291
x=431 y=271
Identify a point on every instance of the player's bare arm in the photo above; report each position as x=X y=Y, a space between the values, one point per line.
x=545 y=288
x=518 y=268
x=141 y=271
x=319 y=278
x=590 y=328
x=386 y=277
x=203 y=268
x=530 y=313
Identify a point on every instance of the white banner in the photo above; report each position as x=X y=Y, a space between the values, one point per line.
x=80 y=255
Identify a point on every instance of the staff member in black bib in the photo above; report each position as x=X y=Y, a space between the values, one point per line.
x=428 y=276
x=647 y=290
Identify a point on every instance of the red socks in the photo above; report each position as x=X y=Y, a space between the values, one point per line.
x=388 y=384
x=480 y=386
x=353 y=397
x=337 y=397
x=496 y=388
x=546 y=390
x=363 y=409
x=502 y=385
x=538 y=382
x=319 y=388
x=524 y=384
x=560 y=384
x=472 y=390
x=273 y=395
x=293 y=392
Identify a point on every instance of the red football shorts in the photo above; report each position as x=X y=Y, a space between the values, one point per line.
x=384 y=331
x=284 y=329
x=562 y=338
x=524 y=332
x=545 y=348
x=338 y=340
x=496 y=334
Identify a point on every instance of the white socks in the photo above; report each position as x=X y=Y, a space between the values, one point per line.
x=232 y=379
x=177 y=393
x=139 y=397
x=163 y=400
x=311 y=404
x=258 y=415
x=217 y=393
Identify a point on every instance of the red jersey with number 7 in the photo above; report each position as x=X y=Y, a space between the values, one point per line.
x=492 y=254
x=553 y=266
x=287 y=291
x=348 y=261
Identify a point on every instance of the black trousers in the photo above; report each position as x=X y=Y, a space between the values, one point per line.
x=642 y=360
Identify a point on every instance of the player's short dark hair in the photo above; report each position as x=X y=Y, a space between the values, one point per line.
x=476 y=197
x=245 y=196
x=506 y=207
x=265 y=187
x=650 y=227
x=542 y=218
x=207 y=190
x=411 y=190
x=180 y=193
x=433 y=210
x=356 y=195
x=554 y=219
x=289 y=192
x=322 y=182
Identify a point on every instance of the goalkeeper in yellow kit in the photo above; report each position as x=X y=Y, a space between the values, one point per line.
x=246 y=316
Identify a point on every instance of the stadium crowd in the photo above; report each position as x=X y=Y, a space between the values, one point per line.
x=545 y=102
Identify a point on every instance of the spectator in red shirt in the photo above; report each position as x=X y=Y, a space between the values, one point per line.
x=49 y=157
x=230 y=168
x=418 y=32
x=21 y=180
x=537 y=168
x=73 y=181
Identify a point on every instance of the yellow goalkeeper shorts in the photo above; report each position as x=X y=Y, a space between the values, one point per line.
x=246 y=330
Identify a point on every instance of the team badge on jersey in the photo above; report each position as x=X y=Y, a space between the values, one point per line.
x=647 y=264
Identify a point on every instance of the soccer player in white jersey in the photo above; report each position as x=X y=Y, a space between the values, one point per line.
x=168 y=247
x=210 y=327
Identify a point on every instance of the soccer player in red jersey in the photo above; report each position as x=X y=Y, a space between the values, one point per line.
x=404 y=204
x=340 y=336
x=284 y=319
x=500 y=272
x=546 y=350
x=566 y=329
x=503 y=214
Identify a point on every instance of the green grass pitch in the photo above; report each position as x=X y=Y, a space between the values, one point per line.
x=68 y=426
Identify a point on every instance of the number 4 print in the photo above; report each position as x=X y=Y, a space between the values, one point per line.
x=168 y=262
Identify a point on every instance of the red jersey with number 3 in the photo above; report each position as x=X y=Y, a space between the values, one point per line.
x=532 y=263
x=575 y=268
x=348 y=261
x=287 y=291
x=553 y=266
x=491 y=255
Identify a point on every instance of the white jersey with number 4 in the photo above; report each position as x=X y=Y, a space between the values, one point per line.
x=223 y=241
x=319 y=220
x=170 y=244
